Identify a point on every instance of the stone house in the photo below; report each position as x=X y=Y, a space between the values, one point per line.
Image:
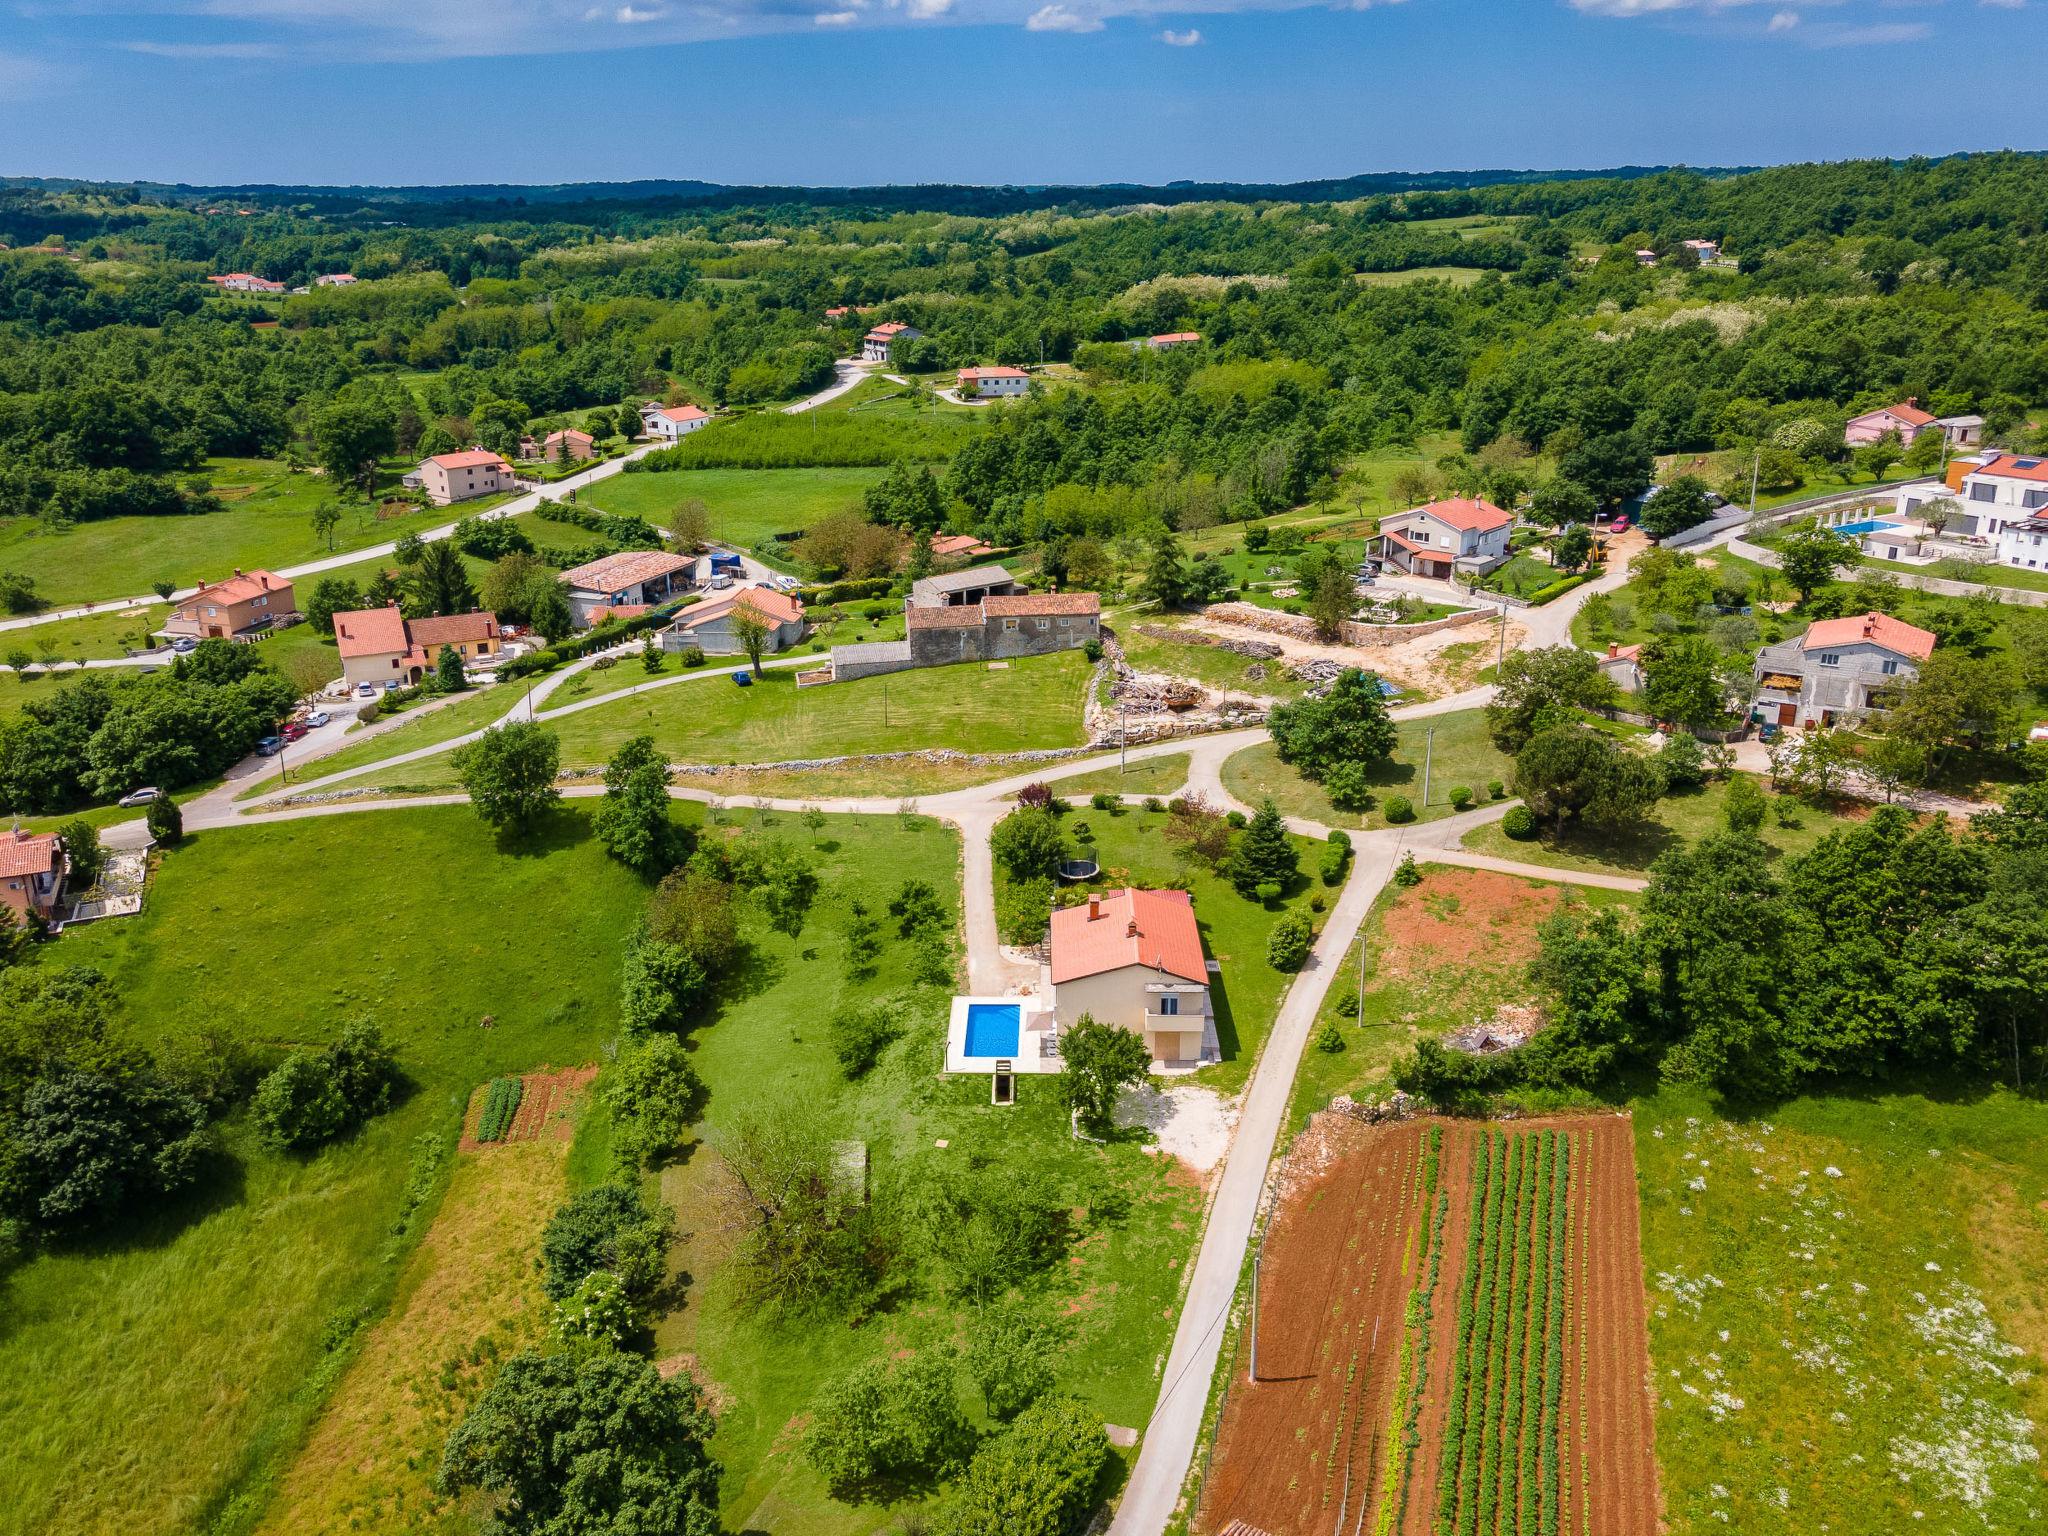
x=709 y=625
x=1838 y=671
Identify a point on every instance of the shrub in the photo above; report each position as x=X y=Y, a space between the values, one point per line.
x=1519 y=823
x=1330 y=1038
x=655 y=1097
x=1399 y=810
x=1288 y=945
x=1037 y=1478
x=299 y=1104
x=1236 y=819
x=1495 y=790
x=1348 y=787
x=1335 y=857
x=166 y=822
x=605 y=1227
x=1406 y=873
x=1347 y=1005
x=887 y=1419
x=1152 y=804
x=692 y=655
x=1101 y=801
x=1092 y=648
x=1461 y=797
x=1339 y=839
x=861 y=1032
x=597 y=1309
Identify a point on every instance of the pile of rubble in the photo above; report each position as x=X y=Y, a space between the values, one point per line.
x=1374 y=1111
x=1317 y=672
x=1258 y=650
x=1511 y=1027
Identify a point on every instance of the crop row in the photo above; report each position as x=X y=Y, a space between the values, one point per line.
x=501 y=1105
x=1555 y=1215
x=1413 y=1366
x=1345 y=1430
x=1458 y=1460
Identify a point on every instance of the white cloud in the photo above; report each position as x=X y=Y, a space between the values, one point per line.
x=926 y=10
x=206 y=50
x=1059 y=18
x=835 y=18
x=1783 y=21
x=2005 y=5
x=1191 y=38
x=1843 y=34
x=633 y=16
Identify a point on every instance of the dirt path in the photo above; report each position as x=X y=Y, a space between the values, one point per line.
x=1417 y=665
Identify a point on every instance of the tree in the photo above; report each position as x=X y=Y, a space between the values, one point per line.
x=299 y=1104
x=1894 y=763
x=693 y=912
x=509 y=774
x=1568 y=771
x=782 y=877
x=507 y=588
x=917 y=908
x=1288 y=945
x=1955 y=700
x=83 y=852
x=608 y=1227
x=349 y=437
x=805 y=1236
x=438 y=582
x=326 y=518
x=887 y=1421
x=1563 y=503
x=1543 y=687
x=1682 y=504
x=588 y=1442
x=1682 y=680
x=689 y=521
x=1349 y=724
x=1264 y=855
x=1097 y=1062
x=1810 y=555
x=1010 y=1356
x=1813 y=763
x=86 y=1145
x=1196 y=830
x=655 y=1097
x=1166 y=578
x=1037 y=1478
x=632 y=821
x=1573 y=549
x=1939 y=511
x=861 y=1032
x=165 y=821
x=1611 y=465
x=1332 y=592
x=548 y=610
x=1028 y=843
x=448 y=674
x=1743 y=807
x=752 y=631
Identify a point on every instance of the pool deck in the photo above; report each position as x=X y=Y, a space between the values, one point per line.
x=1035 y=1032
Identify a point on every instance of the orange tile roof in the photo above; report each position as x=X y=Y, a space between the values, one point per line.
x=974 y=375
x=682 y=413
x=775 y=607
x=452 y=629
x=1874 y=628
x=240 y=587
x=568 y=432
x=944 y=544
x=1905 y=411
x=2006 y=466
x=614 y=573
x=469 y=458
x=1171 y=338
x=607 y=611
x=945 y=616
x=1030 y=604
x=27 y=853
x=370 y=632
x=1467 y=515
x=1132 y=927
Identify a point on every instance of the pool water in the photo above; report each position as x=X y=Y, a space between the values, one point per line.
x=1857 y=530
x=993 y=1029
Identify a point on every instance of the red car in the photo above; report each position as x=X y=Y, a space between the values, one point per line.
x=295 y=730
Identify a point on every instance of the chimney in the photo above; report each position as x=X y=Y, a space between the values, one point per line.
x=1613 y=650
x=1131 y=930
x=1094 y=906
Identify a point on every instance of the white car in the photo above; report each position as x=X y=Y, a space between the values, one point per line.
x=366 y=690
x=136 y=797
x=318 y=718
x=720 y=582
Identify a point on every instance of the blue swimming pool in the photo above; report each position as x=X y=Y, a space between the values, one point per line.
x=1857 y=530
x=993 y=1029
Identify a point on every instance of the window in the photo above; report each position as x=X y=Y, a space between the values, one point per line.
x=1983 y=490
x=1009 y=626
x=2034 y=499
x=1045 y=624
x=1890 y=668
x=1169 y=1005
x=1830 y=658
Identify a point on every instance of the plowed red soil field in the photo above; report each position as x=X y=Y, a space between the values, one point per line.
x=1451 y=1327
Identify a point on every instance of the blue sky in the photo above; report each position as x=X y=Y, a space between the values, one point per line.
x=842 y=92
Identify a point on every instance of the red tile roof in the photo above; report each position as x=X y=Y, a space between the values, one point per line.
x=1174 y=338
x=27 y=853
x=945 y=616
x=1874 y=628
x=682 y=413
x=1131 y=927
x=607 y=611
x=468 y=458
x=452 y=629
x=615 y=573
x=974 y=375
x=1467 y=515
x=944 y=544
x=570 y=433
x=240 y=587
x=370 y=632
x=889 y=328
x=775 y=607
x=1905 y=411
x=1031 y=604
x=2006 y=466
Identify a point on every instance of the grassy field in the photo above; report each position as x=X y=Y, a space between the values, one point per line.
x=766 y=1052
x=1990 y=573
x=1457 y=277
x=1457 y=749
x=1845 y=1312
x=422 y=728
x=265 y=524
x=877 y=396
x=747 y=505
x=173 y=1371
x=1601 y=620
x=885 y=781
x=1148 y=776
x=1792 y=826
x=1246 y=993
x=1208 y=664
x=98 y=635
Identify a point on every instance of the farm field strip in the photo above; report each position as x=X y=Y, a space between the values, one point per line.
x=1504 y=1279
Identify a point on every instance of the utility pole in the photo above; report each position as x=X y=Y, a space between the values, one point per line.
x=1429 y=748
x=1501 y=660
x=1123 y=736
x=1257 y=1258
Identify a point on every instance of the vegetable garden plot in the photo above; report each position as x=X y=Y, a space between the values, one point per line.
x=525 y=1108
x=1450 y=1341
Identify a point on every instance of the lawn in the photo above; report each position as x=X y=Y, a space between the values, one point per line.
x=877 y=396
x=747 y=506
x=768 y=1053
x=1208 y=664
x=1791 y=827
x=1033 y=702
x=423 y=727
x=1246 y=993
x=266 y=524
x=172 y=1372
x=1523 y=576
x=1148 y=776
x=1845 y=1310
x=1988 y=573
x=114 y=633
x=1457 y=277
x=1622 y=617
x=1456 y=748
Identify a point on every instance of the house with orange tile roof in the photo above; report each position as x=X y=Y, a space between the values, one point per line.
x=380 y=645
x=451 y=477
x=958 y=546
x=647 y=577
x=32 y=870
x=982 y=614
x=1134 y=958
x=1906 y=419
x=876 y=345
x=993 y=383
x=247 y=603
x=1446 y=538
x=1169 y=339
x=709 y=625
x=672 y=423
x=1838 y=671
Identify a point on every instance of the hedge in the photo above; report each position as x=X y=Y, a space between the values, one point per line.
x=601 y=638
x=846 y=591
x=1556 y=589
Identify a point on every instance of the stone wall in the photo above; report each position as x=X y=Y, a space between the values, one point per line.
x=1299 y=626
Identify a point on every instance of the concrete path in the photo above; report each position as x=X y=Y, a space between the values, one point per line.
x=847 y=373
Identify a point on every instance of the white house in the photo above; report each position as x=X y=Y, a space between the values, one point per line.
x=636 y=579
x=245 y=282
x=334 y=280
x=993 y=383
x=1445 y=537
x=671 y=422
x=2004 y=501
x=1706 y=250
x=1134 y=958
x=875 y=346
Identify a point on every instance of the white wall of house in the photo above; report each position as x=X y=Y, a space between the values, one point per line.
x=1126 y=996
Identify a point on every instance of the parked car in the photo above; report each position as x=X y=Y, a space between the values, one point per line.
x=318 y=718
x=270 y=746
x=719 y=582
x=294 y=731
x=136 y=797
x=391 y=685
x=742 y=679
x=184 y=643
x=366 y=690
